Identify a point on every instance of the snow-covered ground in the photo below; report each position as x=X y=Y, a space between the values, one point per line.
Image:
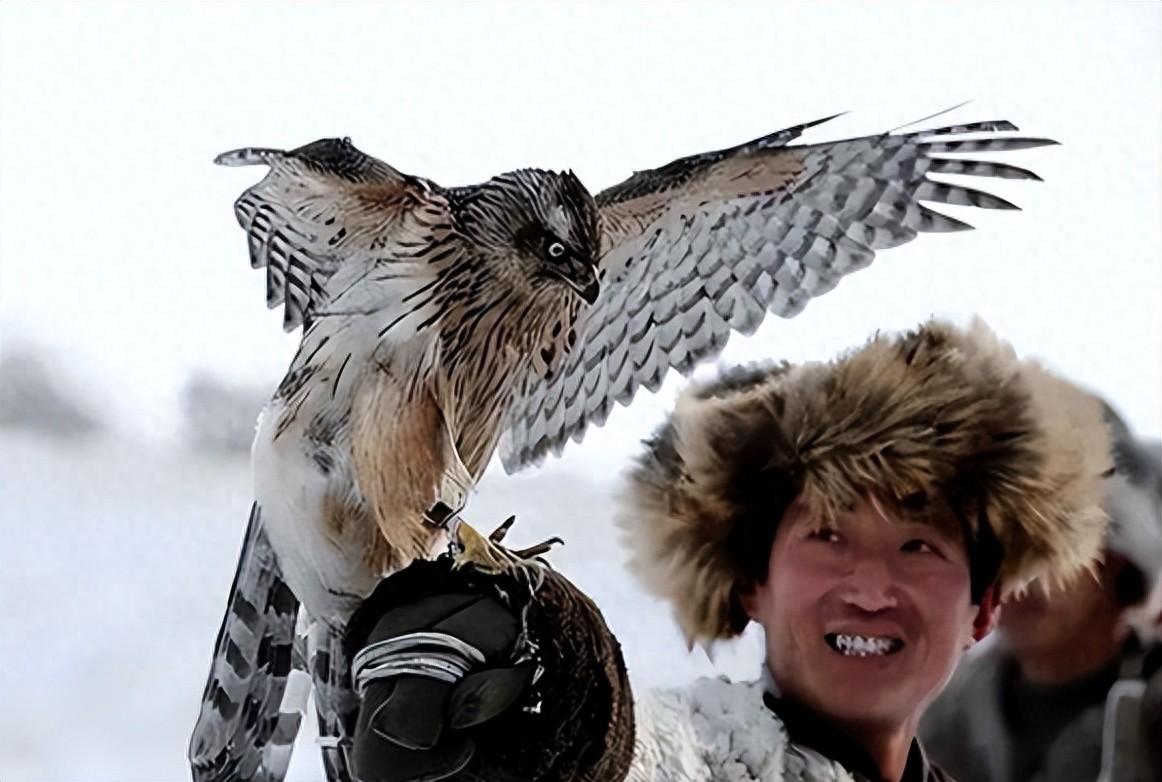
x=114 y=567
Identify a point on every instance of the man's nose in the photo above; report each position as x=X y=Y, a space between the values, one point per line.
x=870 y=585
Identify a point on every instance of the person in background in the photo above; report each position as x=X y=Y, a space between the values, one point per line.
x=868 y=513
x=1057 y=694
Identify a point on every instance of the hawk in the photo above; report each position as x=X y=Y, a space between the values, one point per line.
x=440 y=324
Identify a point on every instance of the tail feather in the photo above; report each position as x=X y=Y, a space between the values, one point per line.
x=277 y=753
x=240 y=733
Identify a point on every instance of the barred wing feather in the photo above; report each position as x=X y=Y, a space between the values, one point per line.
x=709 y=244
x=320 y=206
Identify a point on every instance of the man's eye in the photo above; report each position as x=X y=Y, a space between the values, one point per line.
x=555 y=249
x=920 y=546
x=825 y=535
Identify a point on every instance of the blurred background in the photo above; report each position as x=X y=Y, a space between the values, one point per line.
x=135 y=351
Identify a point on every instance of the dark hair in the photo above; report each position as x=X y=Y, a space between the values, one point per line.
x=985 y=555
x=764 y=497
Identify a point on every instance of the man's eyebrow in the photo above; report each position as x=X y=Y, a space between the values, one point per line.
x=926 y=529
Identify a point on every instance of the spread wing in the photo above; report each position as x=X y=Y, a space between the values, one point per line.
x=319 y=206
x=710 y=243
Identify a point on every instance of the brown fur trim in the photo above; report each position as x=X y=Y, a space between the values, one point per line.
x=943 y=414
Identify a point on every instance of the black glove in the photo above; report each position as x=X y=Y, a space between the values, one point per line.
x=454 y=641
x=523 y=683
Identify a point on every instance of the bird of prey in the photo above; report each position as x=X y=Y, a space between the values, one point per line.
x=442 y=323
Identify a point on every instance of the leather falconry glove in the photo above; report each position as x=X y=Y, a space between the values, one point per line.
x=486 y=664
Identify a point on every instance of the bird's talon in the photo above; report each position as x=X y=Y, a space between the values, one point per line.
x=498 y=534
x=470 y=547
x=543 y=547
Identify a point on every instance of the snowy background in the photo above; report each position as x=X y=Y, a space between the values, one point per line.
x=135 y=350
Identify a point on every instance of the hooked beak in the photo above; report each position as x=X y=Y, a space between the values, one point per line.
x=582 y=278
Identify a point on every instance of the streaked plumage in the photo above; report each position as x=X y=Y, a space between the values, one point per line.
x=441 y=323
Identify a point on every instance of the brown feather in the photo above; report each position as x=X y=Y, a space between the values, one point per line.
x=398 y=449
x=344 y=518
x=733 y=177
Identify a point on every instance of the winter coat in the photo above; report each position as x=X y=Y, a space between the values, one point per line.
x=721 y=731
x=968 y=729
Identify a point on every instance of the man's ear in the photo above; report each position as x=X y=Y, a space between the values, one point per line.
x=987 y=613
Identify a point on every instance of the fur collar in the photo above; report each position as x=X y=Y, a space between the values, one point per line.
x=720 y=731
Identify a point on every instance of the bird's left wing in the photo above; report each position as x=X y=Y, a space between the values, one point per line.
x=323 y=206
x=708 y=244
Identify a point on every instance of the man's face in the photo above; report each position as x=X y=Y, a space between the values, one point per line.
x=865 y=617
x=1045 y=621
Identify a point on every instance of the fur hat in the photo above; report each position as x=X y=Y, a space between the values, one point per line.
x=939 y=417
x=1134 y=504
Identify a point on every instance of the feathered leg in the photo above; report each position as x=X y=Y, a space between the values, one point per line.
x=240 y=733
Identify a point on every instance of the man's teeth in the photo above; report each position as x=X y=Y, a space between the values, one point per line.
x=863 y=646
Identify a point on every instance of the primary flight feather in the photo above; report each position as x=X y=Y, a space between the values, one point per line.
x=440 y=324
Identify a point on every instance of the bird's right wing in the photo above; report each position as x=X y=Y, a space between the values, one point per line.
x=322 y=206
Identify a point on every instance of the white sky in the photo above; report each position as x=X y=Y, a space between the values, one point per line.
x=118 y=246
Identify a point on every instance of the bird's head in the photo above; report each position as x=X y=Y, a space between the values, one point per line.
x=546 y=224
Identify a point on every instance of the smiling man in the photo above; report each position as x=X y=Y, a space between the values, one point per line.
x=868 y=513
x=865 y=616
